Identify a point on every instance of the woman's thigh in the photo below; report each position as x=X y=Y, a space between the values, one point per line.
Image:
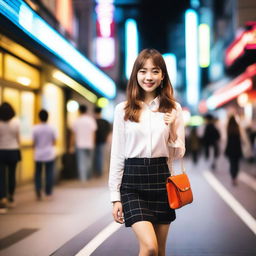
x=145 y=233
x=161 y=231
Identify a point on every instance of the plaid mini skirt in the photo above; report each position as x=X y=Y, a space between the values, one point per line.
x=143 y=191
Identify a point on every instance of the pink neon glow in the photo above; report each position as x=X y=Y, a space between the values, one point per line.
x=247 y=40
x=220 y=99
x=250 y=72
x=105 y=42
x=239 y=85
x=251 y=47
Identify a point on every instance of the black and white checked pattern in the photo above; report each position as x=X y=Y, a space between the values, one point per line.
x=143 y=191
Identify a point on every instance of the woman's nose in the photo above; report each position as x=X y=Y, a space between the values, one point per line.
x=148 y=76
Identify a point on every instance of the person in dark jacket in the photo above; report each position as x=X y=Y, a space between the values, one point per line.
x=194 y=144
x=102 y=132
x=233 y=149
x=211 y=139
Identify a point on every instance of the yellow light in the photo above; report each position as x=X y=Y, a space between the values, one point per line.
x=242 y=99
x=204 y=45
x=102 y=102
x=24 y=80
x=196 y=120
x=75 y=86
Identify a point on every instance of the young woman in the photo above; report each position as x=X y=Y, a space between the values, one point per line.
x=9 y=155
x=233 y=149
x=148 y=132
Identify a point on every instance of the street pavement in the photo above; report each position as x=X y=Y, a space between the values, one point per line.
x=78 y=220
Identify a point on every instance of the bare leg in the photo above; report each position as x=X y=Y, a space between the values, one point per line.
x=146 y=236
x=161 y=231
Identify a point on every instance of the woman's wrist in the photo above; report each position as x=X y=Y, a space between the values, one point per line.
x=115 y=202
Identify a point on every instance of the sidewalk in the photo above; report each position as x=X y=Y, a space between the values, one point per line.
x=40 y=227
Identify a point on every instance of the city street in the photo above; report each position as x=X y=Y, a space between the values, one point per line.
x=78 y=221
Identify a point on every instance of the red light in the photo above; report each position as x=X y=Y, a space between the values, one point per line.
x=245 y=41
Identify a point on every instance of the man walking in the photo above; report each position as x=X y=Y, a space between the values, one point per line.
x=83 y=138
x=44 y=138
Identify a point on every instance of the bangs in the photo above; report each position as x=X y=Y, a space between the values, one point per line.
x=157 y=60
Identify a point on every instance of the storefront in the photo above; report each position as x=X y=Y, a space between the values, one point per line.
x=36 y=73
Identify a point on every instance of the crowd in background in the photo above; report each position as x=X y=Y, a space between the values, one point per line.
x=87 y=143
x=230 y=138
x=89 y=136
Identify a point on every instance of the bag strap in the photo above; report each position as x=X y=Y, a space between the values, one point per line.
x=181 y=166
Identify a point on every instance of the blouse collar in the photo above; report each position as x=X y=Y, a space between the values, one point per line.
x=153 y=105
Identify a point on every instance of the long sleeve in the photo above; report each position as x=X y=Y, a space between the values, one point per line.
x=177 y=146
x=117 y=154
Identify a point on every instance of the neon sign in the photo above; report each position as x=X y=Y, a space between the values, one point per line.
x=105 y=42
x=245 y=41
x=19 y=13
x=241 y=84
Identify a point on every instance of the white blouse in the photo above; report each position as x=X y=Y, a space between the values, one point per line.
x=148 y=138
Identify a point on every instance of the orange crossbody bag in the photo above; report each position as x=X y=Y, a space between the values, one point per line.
x=179 y=190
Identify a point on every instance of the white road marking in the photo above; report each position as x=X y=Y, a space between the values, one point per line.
x=247 y=179
x=241 y=212
x=99 y=239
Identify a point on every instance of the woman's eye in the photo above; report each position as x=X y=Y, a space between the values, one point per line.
x=142 y=71
x=156 y=71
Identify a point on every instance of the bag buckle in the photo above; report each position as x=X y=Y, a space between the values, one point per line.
x=185 y=189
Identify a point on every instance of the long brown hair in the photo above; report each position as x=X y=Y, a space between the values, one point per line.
x=135 y=94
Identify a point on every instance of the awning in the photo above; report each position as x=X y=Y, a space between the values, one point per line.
x=242 y=83
x=18 y=19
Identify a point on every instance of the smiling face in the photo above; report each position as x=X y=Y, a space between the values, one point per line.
x=149 y=77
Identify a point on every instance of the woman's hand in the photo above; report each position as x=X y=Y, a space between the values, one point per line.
x=169 y=117
x=118 y=212
x=169 y=120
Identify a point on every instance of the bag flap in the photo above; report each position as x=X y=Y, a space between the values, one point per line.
x=181 y=181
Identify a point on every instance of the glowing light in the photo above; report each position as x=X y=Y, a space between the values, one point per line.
x=102 y=102
x=192 y=70
x=171 y=64
x=75 y=86
x=204 y=45
x=196 y=120
x=19 y=13
x=248 y=111
x=221 y=98
x=131 y=45
x=186 y=115
x=242 y=99
x=24 y=80
x=72 y=106
x=105 y=42
x=105 y=54
x=232 y=90
x=245 y=41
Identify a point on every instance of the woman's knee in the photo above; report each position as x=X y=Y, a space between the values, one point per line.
x=150 y=249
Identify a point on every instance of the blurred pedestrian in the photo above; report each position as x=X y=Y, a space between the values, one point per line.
x=211 y=137
x=83 y=139
x=148 y=132
x=44 y=138
x=233 y=149
x=9 y=155
x=102 y=132
x=194 y=144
